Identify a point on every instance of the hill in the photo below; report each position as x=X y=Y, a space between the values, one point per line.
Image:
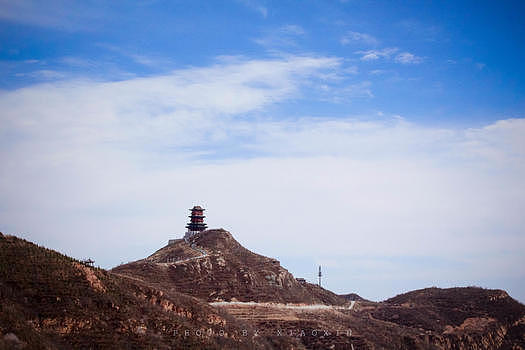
x=352 y=297
x=213 y=266
x=239 y=300
x=51 y=301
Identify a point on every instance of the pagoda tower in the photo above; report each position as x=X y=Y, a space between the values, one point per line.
x=196 y=223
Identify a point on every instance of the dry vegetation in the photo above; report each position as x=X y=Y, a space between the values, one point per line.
x=51 y=301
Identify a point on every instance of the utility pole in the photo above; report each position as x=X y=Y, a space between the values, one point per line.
x=320 y=275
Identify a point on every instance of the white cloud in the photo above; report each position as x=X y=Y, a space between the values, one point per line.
x=408 y=58
x=347 y=93
x=43 y=74
x=150 y=60
x=362 y=38
x=500 y=141
x=372 y=55
x=387 y=53
x=108 y=170
x=378 y=71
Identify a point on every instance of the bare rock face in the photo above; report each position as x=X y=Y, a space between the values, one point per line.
x=213 y=266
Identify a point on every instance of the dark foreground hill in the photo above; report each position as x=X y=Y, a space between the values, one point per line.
x=51 y=301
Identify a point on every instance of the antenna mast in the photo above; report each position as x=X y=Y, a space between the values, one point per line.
x=320 y=275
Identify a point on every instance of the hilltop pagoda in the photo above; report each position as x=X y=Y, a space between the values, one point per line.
x=196 y=223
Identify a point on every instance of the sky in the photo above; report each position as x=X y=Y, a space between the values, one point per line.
x=382 y=140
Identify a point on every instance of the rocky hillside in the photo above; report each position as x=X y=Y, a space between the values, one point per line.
x=458 y=318
x=214 y=294
x=470 y=317
x=435 y=319
x=215 y=267
x=51 y=301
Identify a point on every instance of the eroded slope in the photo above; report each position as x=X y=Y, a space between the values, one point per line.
x=215 y=267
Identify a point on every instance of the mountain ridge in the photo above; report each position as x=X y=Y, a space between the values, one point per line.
x=51 y=301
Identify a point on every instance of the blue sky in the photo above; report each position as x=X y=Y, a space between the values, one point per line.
x=466 y=65
x=405 y=119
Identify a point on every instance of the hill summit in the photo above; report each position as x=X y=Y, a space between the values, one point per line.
x=213 y=266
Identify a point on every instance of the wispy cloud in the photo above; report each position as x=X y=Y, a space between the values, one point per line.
x=149 y=60
x=378 y=71
x=356 y=37
x=347 y=93
x=230 y=87
x=387 y=53
x=408 y=58
x=44 y=74
x=372 y=55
